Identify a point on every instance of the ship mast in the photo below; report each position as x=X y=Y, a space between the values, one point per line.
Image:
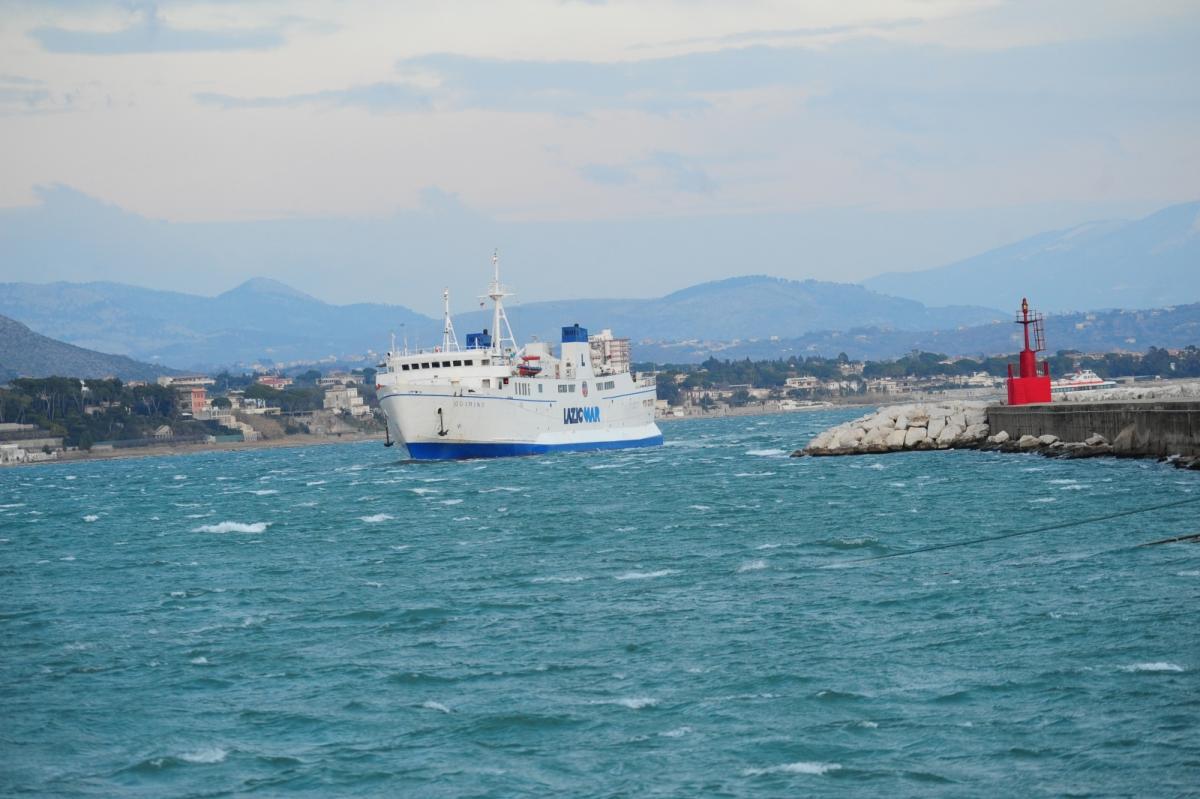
x=500 y=325
x=449 y=340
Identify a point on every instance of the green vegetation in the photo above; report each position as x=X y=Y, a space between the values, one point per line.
x=104 y=410
x=293 y=399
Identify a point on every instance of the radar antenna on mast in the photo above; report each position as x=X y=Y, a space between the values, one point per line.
x=449 y=340
x=501 y=330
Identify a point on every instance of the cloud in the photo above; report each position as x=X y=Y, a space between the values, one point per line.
x=607 y=174
x=683 y=174
x=390 y=96
x=152 y=35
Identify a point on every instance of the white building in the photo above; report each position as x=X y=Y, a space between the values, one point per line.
x=609 y=355
x=345 y=399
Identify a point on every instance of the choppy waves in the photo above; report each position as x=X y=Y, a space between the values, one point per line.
x=331 y=621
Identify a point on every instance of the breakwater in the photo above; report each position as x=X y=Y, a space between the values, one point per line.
x=920 y=426
x=1140 y=428
x=1136 y=428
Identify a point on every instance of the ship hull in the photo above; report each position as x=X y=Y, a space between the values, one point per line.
x=431 y=425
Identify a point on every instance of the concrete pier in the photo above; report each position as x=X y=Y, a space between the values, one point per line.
x=1147 y=428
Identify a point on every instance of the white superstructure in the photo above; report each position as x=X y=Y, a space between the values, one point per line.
x=491 y=399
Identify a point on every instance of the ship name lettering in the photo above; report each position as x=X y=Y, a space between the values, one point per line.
x=578 y=415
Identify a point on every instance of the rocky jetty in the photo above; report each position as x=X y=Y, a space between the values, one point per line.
x=919 y=426
x=965 y=425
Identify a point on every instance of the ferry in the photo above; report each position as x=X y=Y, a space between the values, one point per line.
x=1083 y=380
x=491 y=399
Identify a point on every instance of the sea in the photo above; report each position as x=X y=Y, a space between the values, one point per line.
x=708 y=618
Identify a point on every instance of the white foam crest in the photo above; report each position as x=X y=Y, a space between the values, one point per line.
x=208 y=754
x=767 y=453
x=1043 y=500
x=768 y=546
x=570 y=578
x=1075 y=487
x=1189 y=574
x=179 y=477
x=438 y=706
x=793 y=768
x=607 y=466
x=646 y=575
x=877 y=466
x=700 y=507
x=678 y=732
x=12 y=505
x=376 y=519
x=451 y=502
x=1062 y=481
x=870 y=725
x=233 y=527
x=91 y=517
x=752 y=566
x=264 y=492
x=1161 y=665
x=897 y=485
x=636 y=702
x=421 y=491
x=200 y=661
x=316 y=482
x=754 y=474
x=511 y=489
x=71 y=477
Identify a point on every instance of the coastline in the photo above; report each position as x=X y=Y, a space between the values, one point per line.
x=167 y=450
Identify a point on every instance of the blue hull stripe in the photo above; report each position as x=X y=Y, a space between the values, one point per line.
x=437 y=450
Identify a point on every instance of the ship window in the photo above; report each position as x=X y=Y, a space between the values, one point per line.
x=487 y=383
x=469 y=362
x=540 y=388
x=446 y=364
x=424 y=366
x=484 y=362
x=404 y=367
x=458 y=363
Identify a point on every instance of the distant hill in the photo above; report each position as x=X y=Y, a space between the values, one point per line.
x=259 y=320
x=737 y=308
x=24 y=353
x=1100 y=331
x=1149 y=263
x=270 y=321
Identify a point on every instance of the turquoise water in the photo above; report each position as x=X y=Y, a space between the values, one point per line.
x=670 y=622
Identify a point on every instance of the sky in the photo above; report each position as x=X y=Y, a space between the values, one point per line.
x=379 y=150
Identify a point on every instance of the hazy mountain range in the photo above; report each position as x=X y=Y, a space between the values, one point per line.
x=1148 y=263
x=1095 y=331
x=266 y=321
x=1153 y=262
x=24 y=353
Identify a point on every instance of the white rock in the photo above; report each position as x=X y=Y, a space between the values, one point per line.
x=912 y=435
x=876 y=436
x=936 y=423
x=975 y=432
x=1028 y=442
x=999 y=438
x=895 y=439
x=949 y=434
x=902 y=421
x=1095 y=440
x=958 y=419
x=1047 y=439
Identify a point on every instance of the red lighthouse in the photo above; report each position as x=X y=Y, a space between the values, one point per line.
x=1030 y=386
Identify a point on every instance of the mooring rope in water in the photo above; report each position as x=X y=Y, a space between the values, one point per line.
x=1046 y=529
